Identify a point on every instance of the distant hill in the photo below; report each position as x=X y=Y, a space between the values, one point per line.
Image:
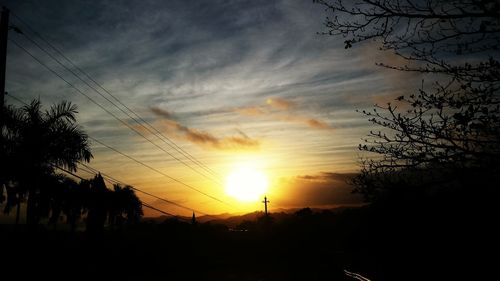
x=162 y=218
x=208 y=218
x=233 y=220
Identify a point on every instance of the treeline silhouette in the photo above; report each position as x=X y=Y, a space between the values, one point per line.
x=431 y=183
x=423 y=224
x=34 y=144
x=431 y=166
x=306 y=245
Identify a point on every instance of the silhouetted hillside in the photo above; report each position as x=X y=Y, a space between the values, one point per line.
x=233 y=220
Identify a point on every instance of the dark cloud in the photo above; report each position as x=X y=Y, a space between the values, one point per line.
x=308 y=177
x=161 y=112
x=315 y=123
x=328 y=176
x=238 y=142
x=320 y=190
x=206 y=139
x=200 y=137
x=325 y=189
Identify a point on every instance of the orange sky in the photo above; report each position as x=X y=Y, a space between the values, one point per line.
x=246 y=84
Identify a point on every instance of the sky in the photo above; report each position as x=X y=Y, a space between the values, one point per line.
x=233 y=83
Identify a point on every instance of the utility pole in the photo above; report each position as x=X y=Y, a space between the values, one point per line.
x=193 y=219
x=4 y=31
x=265 y=203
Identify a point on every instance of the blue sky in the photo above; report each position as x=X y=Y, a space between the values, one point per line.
x=229 y=81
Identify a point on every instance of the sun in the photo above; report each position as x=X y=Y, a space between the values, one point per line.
x=246 y=184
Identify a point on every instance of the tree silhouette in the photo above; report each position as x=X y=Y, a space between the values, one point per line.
x=76 y=197
x=449 y=129
x=35 y=142
x=125 y=206
x=2 y=194
x=64 y=196
x=418 y=30
x=13 y=199
x=98 y=201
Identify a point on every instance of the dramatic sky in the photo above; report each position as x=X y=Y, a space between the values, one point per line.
x=230 y=82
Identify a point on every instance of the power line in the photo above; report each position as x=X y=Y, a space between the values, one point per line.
x=149 y=167
x=157 y=171
x=119 y=108
x=142 y=203
x=123 y=122
x=87 y=171
x=155 y=131
x=112 y=180
x=14 y=97
x=163 y=212
x=68 y=172
x=115 y=181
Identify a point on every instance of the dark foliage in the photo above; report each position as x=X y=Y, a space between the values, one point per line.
x=302 y=246
x=34 y=144
x=447 y=133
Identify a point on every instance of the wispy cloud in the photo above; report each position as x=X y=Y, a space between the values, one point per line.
x=280 y=103
x=278 y=108
x=199 y=70
x=250 y=110
x=161 y=112
x=318 y=124
x=241 y=141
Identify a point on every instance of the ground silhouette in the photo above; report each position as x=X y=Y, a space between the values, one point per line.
x=380 y=243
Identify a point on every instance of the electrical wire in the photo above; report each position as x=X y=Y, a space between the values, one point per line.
x=123 y=122
x=142 y=203
x=157 y=171
x=155 y=131
x=113 y=180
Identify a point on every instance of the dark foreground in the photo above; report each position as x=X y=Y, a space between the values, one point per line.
x=303 y=246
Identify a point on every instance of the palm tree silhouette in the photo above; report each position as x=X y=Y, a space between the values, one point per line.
x=98 y=204
x=125 y=206
x=36 y=142
x=76 y=201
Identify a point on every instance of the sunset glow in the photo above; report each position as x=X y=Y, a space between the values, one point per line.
x=237 y=110
x=250 y=140
x=246 y=184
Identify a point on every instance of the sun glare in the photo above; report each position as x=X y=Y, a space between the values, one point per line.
x=246 y=184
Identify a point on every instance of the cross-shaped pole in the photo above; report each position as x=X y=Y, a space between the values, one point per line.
x=265 y=203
